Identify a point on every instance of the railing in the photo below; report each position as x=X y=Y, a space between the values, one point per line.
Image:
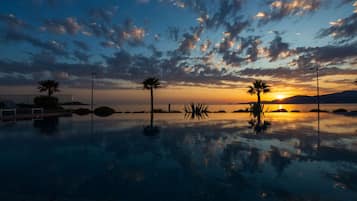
x=2 y=111
x=36 y=114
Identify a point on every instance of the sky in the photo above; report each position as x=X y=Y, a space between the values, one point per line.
x=202 y=50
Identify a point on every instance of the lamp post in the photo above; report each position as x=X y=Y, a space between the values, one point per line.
x=92 y=94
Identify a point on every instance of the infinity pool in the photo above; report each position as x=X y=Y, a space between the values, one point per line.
x=280 y=157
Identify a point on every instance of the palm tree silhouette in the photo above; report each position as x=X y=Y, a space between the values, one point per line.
x=151 y=83
x=257 y=88
x=51 y=86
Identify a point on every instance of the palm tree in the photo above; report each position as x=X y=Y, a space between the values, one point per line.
x=50 y=86
x=257 y=88
x=151 y=83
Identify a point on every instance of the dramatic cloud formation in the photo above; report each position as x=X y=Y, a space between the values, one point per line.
x=196 y=43
x=283 y=8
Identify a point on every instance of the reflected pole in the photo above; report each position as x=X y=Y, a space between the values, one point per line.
x=318 y=106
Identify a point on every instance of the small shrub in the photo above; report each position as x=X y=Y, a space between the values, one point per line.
x=82 y=111
x=280 y=110
x=316 y=110
x=340 y=110
x=104 y=111
x=241 y=110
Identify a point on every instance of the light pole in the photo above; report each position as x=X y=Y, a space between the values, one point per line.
x=318 y=105
x=92 y=94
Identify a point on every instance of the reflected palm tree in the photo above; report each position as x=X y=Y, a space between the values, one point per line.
x=151 y=83
x=151 y=130
x=257 y=123
x=50 y=86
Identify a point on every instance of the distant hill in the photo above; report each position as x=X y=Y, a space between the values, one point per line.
x=341 y=97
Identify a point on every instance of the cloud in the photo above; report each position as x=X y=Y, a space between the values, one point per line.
x=190 y=40
x=345 y=28
x=294 y=74
x=227 y=9
x=205 y=46
x=68 y=26
x=236 y=28
x=105 y=14
x=82 y=45
x=278 y=48
x=325 y=55
x=282 y=8
x=13 y=22
x=173 y=33
x=246 y=51
x=117 y=35
x=81 y=56
x=54 y=46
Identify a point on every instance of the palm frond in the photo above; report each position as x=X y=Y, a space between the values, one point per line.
x=151 y=82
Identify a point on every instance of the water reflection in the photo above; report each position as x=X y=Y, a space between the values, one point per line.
x=47 y=125
x=151 y=130
x=257 y=123
x=196 y=116
x=214 y=159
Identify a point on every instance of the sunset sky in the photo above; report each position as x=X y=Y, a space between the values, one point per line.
x=202 y=50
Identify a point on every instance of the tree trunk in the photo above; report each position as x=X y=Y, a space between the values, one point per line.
x=152 y=120
x=152 y=99
x=259 y=105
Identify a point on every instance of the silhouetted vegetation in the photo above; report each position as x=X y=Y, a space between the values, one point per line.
x=196 y=108
x=151 y=84
x=295 y=111
x=241 y=110
x=73 y=103
x=256 y=109
x=49 y=86
x=220 y=111
x=104 y=111
x=82 y=111
x=196 y=111
x=316 y=110
x=257 y=88
x=280 y=110
x=340 y=110
x=47 y=102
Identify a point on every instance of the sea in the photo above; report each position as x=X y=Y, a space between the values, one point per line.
x=223 y=107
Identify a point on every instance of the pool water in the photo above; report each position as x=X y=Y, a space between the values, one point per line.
x=280 y=157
